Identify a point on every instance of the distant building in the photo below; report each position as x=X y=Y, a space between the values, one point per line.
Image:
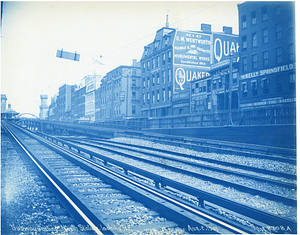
x=175 y=59
x=267 y=61
x=119 y=94
x=64 y=102
x=3 y=102
x=78 y=102
x=9 y=113
x=53 y=112
x=92 y=82
x=43 y=107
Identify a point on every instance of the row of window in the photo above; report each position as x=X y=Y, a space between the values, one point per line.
x=155 y=96
x=265 y=87
x=264 y=16
x=155 y=62
x=265 y=37
x=156 y=78
x=265 y=58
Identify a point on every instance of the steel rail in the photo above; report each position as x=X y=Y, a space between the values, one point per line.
x=213 y=168
x=139 y=185
x=79 y=211
x=249 y=211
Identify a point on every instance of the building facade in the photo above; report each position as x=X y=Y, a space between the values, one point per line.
x=3 y=102
x=64 y=102
x=43 y=107
x=174 y=60
x=119 y=94
x=267 y=61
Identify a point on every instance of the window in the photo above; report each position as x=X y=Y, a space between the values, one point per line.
x=292 y=81
x=244 y=42
x=234 y=78
x=157 y=78
x=163 y=76
x=157 y=95
x=292 y=52
x=144 y=82
x=208 y=85
x=133 y=95
x=244 y=22
x=254 y=87
x=144 y=67
x=153 y=80
x=265 y=58
x=279 y=55
x=133 y=82
x=265 y=36
x=244 y=61
x=278 y=31
x=265 y=85
x=163 y=59
x=148 y=97
x=169 y=75
x=148 y=81
x=264 y=14
x=254 y=40
x=220 y=83
x=214 y=84
x=166 y=41
x=157 y=62
x=279 y=83
x=169 y=56
x=133 y=109
x=254 y=61
x=153 y=97
x=169 y=93
x=156 y=44
x=253 y=18
x=244 y=89
x=278 y=11
x=148 y=65
x=163 y=94
x=144 y=98
x=153 y=63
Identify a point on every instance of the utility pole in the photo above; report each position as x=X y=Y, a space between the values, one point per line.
x=230 y=88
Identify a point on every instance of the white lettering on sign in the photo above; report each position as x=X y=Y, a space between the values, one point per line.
x=268 y=71
x=224 y=48
x=181 y=76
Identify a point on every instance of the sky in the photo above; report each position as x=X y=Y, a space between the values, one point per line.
x=114 y=33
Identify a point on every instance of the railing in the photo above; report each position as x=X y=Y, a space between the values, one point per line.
x=257 y=117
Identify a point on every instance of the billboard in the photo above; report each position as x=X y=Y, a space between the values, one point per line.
x=192 y=49
x=223 y=45
x=183 y=76
x=67 y=55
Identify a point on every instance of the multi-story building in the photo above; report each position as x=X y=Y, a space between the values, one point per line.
x=64 y=102
x=92 y=82
x=53 y=113
x=3 y=102
x=175 y=59
x=43 y=107
x=267 y=61
x=119 y=94
x=78 y=102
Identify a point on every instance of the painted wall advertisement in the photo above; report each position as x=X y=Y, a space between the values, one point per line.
x=192 y=49
x=223 y=45
x=183 y=77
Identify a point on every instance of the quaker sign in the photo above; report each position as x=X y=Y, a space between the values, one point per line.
x=183 y=77
x=192 y=49
x=223 y=45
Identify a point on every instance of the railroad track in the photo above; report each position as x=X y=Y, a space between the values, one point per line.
x=110 y=201
x=201 y=196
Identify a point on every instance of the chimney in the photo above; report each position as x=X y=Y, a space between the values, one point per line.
x=227 y=30
x=134 y=63
x=206 y=28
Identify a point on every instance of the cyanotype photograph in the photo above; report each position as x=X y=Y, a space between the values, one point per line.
x=148 y=117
